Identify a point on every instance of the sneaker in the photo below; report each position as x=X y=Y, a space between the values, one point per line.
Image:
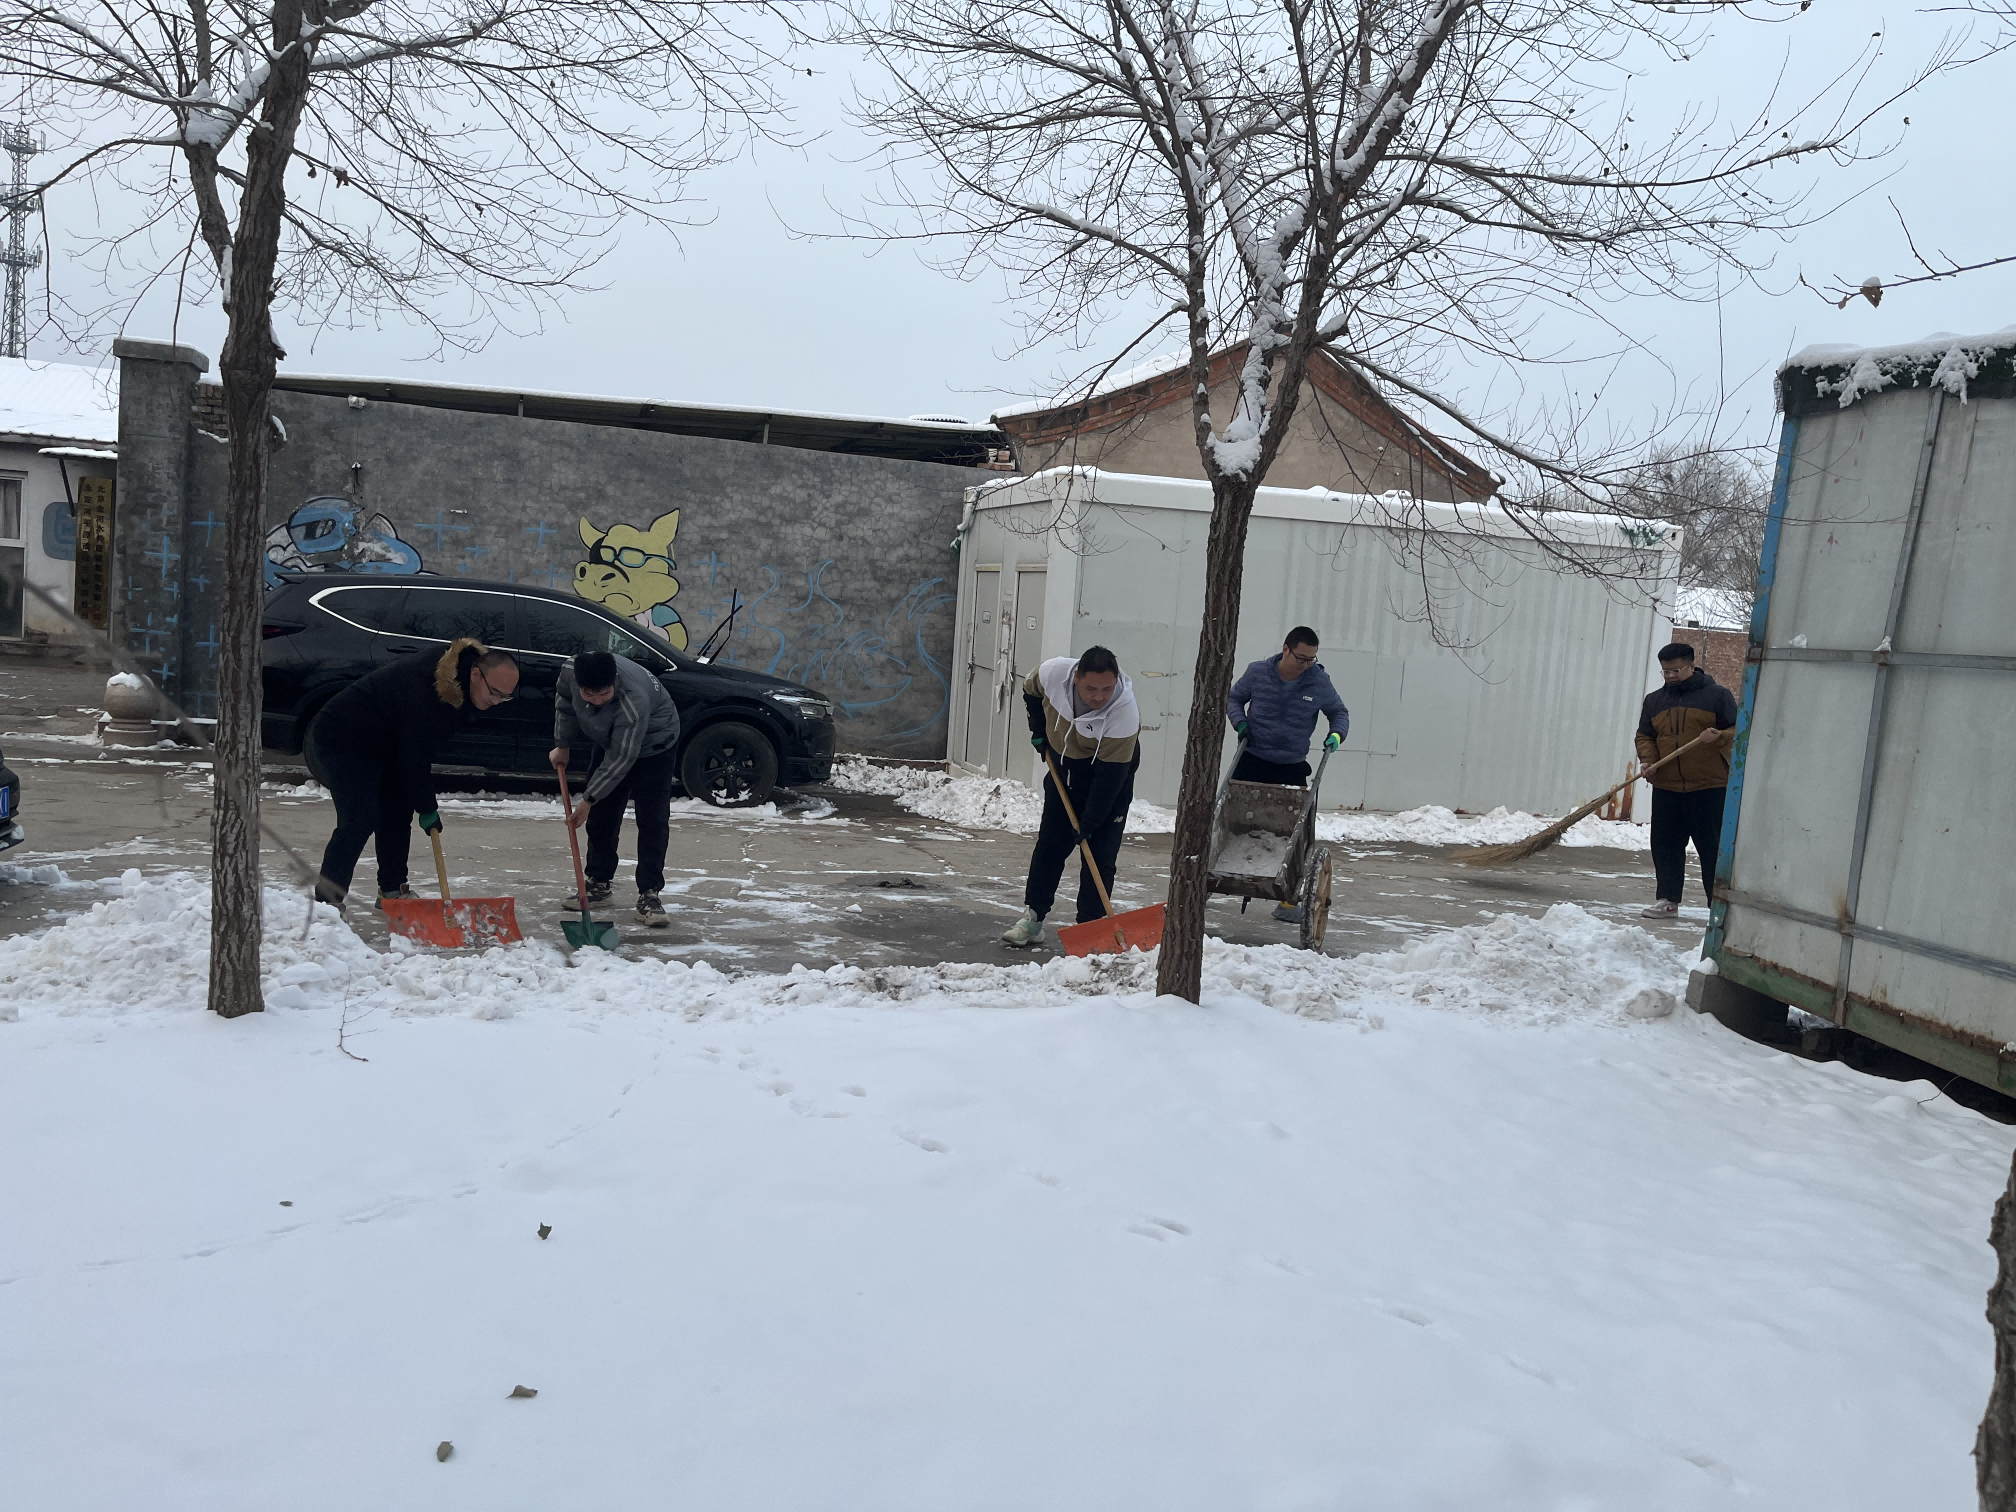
x=1662 y=908
x=598 y=897
x=1025 y=931
x=397 y=892
x=1283 y=914
x=650 y=912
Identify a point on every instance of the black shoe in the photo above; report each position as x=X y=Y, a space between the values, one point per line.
x=598 y=897
x=650 y=912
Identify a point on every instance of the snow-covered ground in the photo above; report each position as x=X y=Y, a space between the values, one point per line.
x=996 y=803
x=1482 y=1223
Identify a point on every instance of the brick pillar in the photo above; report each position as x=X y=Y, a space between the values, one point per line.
x=150 y=524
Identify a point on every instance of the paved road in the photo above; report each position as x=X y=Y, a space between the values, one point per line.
x=828 y=877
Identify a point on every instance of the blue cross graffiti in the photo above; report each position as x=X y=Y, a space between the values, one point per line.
x=209 y=522
x=539 y=533
x=550 y=573
x=199 y=580
x=209 y=643
x=164 y=556
x=469 y=555
x=440 y=525
x=147 y=635
x=713 y=565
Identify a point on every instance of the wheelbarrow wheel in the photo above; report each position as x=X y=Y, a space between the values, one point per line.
x=1315 y=898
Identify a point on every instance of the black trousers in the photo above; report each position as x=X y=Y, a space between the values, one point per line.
x=1676 y=819
x=369 y=803
x=1253 y=768
x=1057 y=843
x=648 y=784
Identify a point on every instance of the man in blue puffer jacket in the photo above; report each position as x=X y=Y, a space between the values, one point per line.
x=1274 y=706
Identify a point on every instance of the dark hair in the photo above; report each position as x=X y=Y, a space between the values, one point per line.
x=496 y=661
x=1301 y=635
x=1678 y=651
x=1097 y=659
x=594 y=671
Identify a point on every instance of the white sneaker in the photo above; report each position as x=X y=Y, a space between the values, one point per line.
x=1662 y=908
x=1025 y=931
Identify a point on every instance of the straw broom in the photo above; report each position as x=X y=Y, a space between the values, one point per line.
x=1532 y=845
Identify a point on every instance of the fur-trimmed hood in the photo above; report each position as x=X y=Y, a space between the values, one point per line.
x=451 y=675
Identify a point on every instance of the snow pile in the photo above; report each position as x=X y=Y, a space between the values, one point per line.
x=1252 y=854
x=1942 y=360
x=149 y=948
x=996 y=803
x=969 y=802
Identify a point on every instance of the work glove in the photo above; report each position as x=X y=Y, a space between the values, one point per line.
x=1239 y=728
x=1332 y=741
x=430 y=822
x=1038 y=742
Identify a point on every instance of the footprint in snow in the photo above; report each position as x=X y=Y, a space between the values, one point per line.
x=853 y=1091
x=935 y=1146
x=1159 y=1228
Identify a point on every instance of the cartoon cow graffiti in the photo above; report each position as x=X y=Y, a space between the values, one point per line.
x=630 y=571
x=330 y=534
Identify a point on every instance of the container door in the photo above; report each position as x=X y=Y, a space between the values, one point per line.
x=1026 y=637
x=13 y=559
x=982 y=637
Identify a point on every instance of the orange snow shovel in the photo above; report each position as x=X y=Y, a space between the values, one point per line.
x=1137 y=929
x=449 y=921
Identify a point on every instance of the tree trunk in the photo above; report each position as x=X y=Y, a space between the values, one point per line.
x=1180 y=969
x=1995 y=1444
x=247 y=366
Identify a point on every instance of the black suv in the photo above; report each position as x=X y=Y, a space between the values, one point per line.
x=741 y=733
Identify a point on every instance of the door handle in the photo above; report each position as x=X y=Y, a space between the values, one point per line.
x=401 y=646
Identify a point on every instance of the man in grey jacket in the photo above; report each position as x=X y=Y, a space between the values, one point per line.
x=626 y=715
x=1274 y=706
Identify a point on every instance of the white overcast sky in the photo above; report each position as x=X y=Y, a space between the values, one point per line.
x=742 y=312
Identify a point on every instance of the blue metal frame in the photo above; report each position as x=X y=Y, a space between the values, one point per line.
x=1760 y=615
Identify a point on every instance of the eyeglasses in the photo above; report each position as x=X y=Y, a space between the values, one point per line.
x=627 y=556
x=1300 y=659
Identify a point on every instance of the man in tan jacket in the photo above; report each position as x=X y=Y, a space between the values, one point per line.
x=1687 y=796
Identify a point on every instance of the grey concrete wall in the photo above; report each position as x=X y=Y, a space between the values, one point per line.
x=151 y=563
x=843 y=563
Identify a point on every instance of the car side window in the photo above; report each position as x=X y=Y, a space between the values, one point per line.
x=562 y=630
x=446 y=614
x=369 y=608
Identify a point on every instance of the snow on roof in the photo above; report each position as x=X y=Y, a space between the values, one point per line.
x=58 y=401
x=1396 y=510
x=1712 y=608
x=1952 y=361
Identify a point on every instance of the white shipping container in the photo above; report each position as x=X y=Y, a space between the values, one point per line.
x=1482 y=669
x=1866 y=872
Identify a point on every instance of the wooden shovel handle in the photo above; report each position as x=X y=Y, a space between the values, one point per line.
x=1084 y=845
x=440 y=864
x=1673 y=755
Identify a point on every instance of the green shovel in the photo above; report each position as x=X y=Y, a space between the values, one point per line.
x=584 y=931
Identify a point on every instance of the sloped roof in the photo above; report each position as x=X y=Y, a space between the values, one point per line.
x=58 y=401
x=1165 y=380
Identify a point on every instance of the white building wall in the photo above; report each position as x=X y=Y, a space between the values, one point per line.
x=46 y=538
x=1520 y=689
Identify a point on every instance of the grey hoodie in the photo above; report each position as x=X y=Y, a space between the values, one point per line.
x=641 y=720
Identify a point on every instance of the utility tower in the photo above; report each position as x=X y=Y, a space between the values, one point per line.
x=21 y=202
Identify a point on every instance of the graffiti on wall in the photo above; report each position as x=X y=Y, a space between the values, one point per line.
x=630 y=571
x=331 y=534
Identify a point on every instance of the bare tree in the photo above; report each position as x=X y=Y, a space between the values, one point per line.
x=349 y=158
x=1411 y=183
x=1719 y=497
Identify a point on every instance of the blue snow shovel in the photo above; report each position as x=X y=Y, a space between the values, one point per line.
x=584 y=931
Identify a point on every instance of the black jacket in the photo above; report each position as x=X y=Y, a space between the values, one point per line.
x=400 y=713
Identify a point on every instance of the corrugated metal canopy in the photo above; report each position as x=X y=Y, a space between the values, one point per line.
x=961 y=445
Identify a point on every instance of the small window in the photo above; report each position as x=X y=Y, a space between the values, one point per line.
x=446 y=614
x=10 y=509
x=562 y=630
x=379 y=609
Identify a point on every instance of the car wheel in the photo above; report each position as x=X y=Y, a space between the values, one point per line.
x=730 y=765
